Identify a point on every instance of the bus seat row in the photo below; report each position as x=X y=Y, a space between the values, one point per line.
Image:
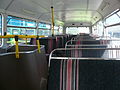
x=51 y=43
x=29 y=72
x=84 y=74
x=76 y=68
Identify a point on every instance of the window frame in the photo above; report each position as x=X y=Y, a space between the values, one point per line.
x=110 y=15
x=1 y=17
x=21 y=20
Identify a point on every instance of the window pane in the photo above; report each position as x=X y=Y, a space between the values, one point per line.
x=98 y=29
x=19 y=31
x=58 y=30
x=45 y=32
x=118 y=13
x=44 y=26
x=14 y=21
x=77 y=30
x=0 y=29
x=113 y=32
x=112 y=20
x=44 y=29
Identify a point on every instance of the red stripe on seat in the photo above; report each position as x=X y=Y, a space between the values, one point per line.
x=69 y=74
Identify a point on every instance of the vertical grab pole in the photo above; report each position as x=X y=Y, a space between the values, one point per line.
x=26 y=40
x=52 y=11
x=16 y=47
x=38 y=44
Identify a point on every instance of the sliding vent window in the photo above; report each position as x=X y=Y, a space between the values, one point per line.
x=114 y=19
x=20 y=26
x=0 y=29
x=77 y=30
x=112 y=24
x=19 y=22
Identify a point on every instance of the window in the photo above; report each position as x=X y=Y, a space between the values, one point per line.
x=44 y=26
x=45 y=32
x=58 y=30
x=112 y=20
x=118 y=13
x=113 y=32
x=20 y=26
x=44 y=29
x=15 y=21
x=0 y=29
x=98 y=29
x=77 y=30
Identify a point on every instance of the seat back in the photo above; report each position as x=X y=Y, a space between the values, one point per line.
x=84 y=75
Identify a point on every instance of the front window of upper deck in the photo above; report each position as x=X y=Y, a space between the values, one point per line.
x=77 y=30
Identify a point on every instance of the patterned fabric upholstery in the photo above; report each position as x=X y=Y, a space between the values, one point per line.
x=84 y=75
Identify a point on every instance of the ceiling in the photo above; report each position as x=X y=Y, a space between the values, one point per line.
x=66 y=11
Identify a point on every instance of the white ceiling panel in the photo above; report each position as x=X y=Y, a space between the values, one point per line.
x=4 y=3
x=108 y=7
x=28 y=8
x=94 y=4
x=70 y=4
x=65 y=10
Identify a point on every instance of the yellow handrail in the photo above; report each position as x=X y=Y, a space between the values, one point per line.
x=17 y=49
x=22 y=36
x=26 y=41
x=16 y=46
x=52 y=11
x=38 y=43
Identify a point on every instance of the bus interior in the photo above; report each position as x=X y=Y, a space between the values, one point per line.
x=59 y=44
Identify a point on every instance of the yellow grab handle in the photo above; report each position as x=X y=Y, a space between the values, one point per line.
x=17 y=49
x=52 y=11
x=38 y=44
x=26 y=41
x=20 y=36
